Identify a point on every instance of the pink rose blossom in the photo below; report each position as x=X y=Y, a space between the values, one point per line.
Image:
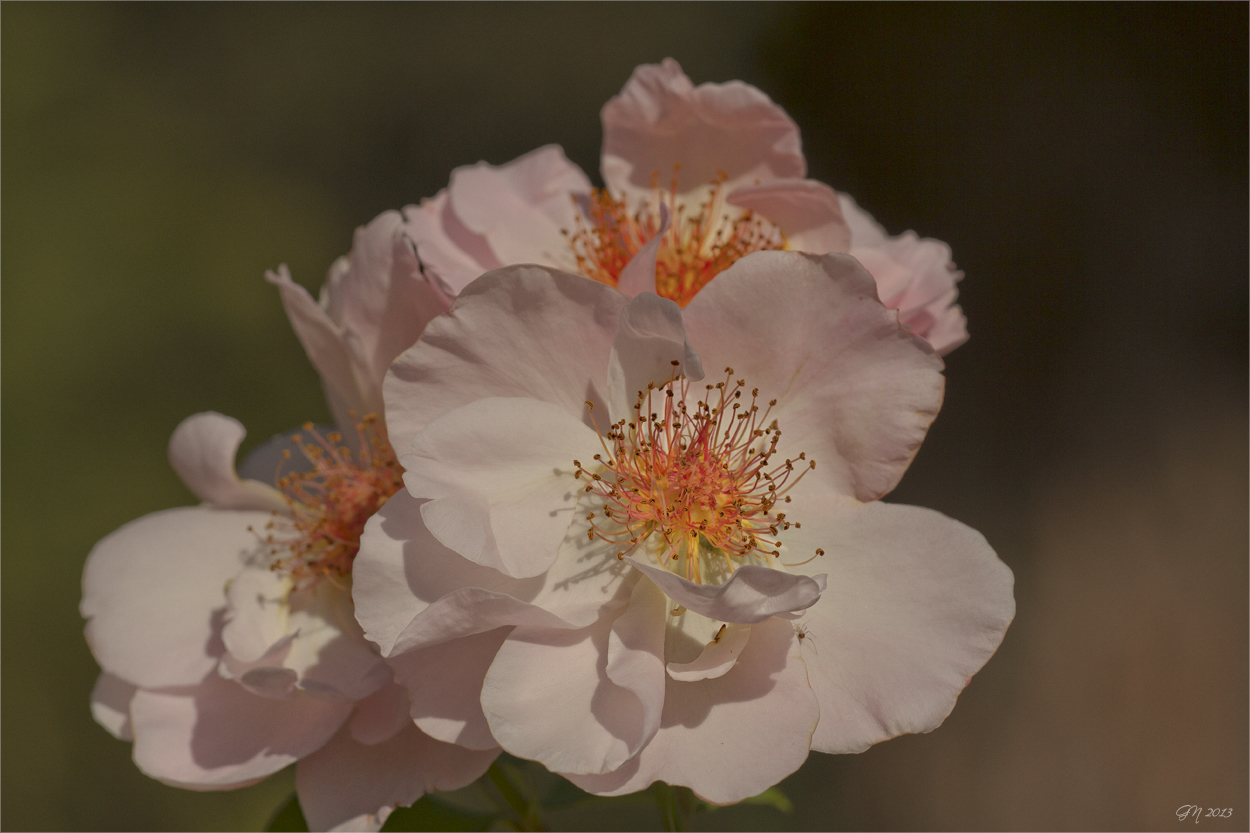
x=722 y=160
x=641 y=541
x=226 y=631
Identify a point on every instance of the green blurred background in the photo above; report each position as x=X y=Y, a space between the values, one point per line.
x=1088 y=164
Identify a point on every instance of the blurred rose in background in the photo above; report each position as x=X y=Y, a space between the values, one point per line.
x=1087 y=165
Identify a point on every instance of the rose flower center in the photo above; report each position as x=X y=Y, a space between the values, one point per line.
x=331 y=502
x=702 y=477
x=697 y=246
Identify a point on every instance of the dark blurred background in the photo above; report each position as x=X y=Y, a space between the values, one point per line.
x=1087 y=163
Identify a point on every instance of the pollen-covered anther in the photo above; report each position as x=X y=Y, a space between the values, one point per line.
x=693 y=475
x=330 y=503
x=696 y=247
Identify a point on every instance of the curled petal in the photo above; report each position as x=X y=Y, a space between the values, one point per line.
x=202 y=451
x=547 y=697
x=444 y=687
x=636 y=655
x=649 y=340
x=444 y=244
x=752 y=594
x=639 y=274
x=731 y=737
x=717 y=658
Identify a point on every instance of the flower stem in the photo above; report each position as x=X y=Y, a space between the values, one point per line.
x=526 y=812
x=673 y=809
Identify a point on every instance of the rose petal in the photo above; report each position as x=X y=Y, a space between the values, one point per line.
x=521 y=208
x=548 y=698
x=202 y=450
x=380 y=715
x=649 y=340
x=444 y=244
x=855 y=391
x=718 y=657
x=216 y=735
x=916 y=604
x=636 y=655
x=154 y=592
x=519 y=331
x=732 y=737
x=639 y=274
x=353 y=786
x=807 y=211
x=660 y=120
x=411 y=591
x=258 y=616
x=444 y=686
x=329 y=351
x=382 y=298
x=110 y=705
x=329 y=651
x=751 y=595
x=501 y=475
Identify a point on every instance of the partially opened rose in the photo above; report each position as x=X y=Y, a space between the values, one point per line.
x=722 y=159
x=225 y=631
x=640 y=541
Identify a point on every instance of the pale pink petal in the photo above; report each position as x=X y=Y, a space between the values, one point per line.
x=382 y=298
x=353 y=786
x=216 y=735
x=855 y=390
x=521 y=208
x=202 y=450
x=751 y=595
x=329 y=350
x=650 y=349
x=444 y=685
x=718 y=657
x=500 y=471
x=660 y=119
x=916 y=604
x=548 y=698
x=639 y=274
x=258 y=616
x=949 y=331
x=110 y=705
x=380 y=715
x=807 y=212
x=732 y=737
x=519 y=331
x=411 y=591
x=154 y=592
x=329 y=651
x=636 y=655
x=443 y=243
x=865 y=231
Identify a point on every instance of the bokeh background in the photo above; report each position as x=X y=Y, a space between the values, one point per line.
x=1088 y=164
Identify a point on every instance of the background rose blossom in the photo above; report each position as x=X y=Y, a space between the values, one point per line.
x=1087 y=165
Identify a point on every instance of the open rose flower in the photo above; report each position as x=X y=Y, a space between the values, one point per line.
x=226 y=632
x=641 y=541
x=722 y=160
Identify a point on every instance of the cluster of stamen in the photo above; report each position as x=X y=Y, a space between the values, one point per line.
x=331 y=502
x=696 y=247
x=703 y=477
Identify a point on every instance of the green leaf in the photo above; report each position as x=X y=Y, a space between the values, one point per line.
x=289 y=817
x=431 y=814
x=772 y=797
